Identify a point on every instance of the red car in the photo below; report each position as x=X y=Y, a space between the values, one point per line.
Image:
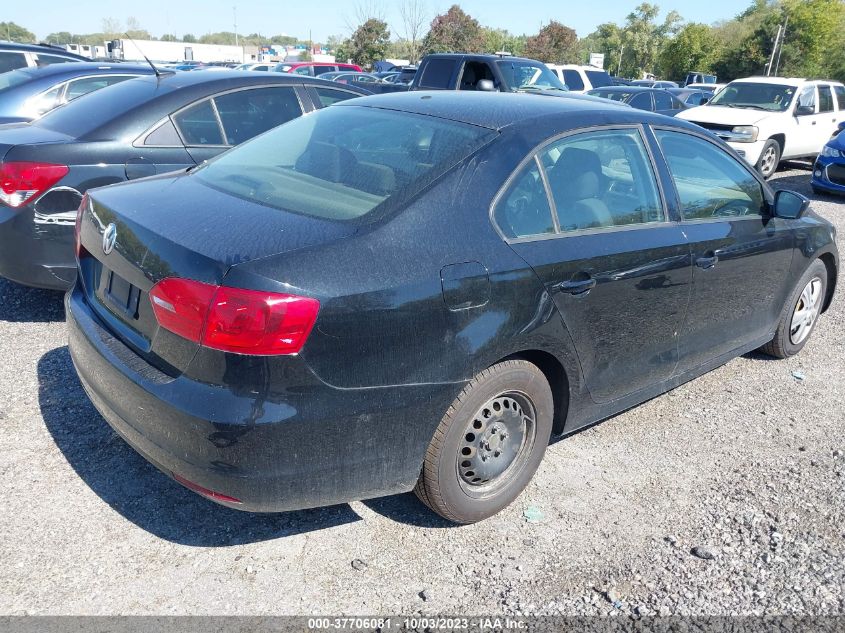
x=312 y=69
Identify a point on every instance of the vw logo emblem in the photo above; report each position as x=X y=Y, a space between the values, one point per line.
x=109 y=238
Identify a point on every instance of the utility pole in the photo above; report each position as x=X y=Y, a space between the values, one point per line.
x=782 y=38
x=774 y=50
x=235 y=12
x=619 y=65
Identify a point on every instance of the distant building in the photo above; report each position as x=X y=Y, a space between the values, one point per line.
x=135 y=50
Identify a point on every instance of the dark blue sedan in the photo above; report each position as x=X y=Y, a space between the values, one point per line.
x=29 y=93
x=829 y=170
x=642 y=98
x=419 y=290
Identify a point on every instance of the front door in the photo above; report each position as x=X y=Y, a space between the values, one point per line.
x=586 y=214
x=741 y=255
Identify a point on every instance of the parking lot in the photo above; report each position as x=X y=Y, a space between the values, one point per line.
x=746 y=463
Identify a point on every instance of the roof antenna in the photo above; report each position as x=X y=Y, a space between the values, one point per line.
x=155 y=70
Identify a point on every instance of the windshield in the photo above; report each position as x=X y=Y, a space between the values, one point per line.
x=525 y=75
x=756 y=96
x=14 y=78
x=344 y=163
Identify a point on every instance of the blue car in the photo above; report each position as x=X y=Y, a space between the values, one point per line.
x=829 y=170
x=27 y=94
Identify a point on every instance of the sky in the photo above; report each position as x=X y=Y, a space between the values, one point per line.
x=323 y=18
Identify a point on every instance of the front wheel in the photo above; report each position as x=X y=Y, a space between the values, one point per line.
x=489 y=444
x=769 y=159
x=800 y=314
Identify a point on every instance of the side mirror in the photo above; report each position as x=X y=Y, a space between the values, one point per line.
x=790 y=205
x=804 y=110
x=485 y=85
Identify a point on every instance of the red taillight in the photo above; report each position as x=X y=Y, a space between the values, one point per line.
x=20 y=182
x=233 y=319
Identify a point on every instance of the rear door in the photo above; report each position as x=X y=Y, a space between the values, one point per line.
x=216 y=123
x=587 y=214
x=741 y=256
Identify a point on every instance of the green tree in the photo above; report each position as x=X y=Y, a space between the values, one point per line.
x=16 y=33
x=691 y=49
x=814 y=36
x=643 y=38
x=554 y=44
x=168 y=37
x=283 y=40
x=189 y=38
x=454 y=31
x=502 y=40
x=606 y=39
x=62 y=37
x=369 y=43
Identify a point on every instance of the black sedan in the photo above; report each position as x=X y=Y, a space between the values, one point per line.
x=649 y=99
x=137 y=128
x=418 y=290
x=29 y=93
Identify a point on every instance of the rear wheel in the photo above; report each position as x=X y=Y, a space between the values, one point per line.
x=489 y=444
x=800 y=314
x=769 y=158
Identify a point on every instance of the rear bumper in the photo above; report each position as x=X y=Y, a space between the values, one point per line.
x=310 y=445
x=39 y=255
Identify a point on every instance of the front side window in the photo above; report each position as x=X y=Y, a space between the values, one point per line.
x=642 y=101
x=807 y=98
x=330 y=96
x=709 y=181
x=599 y=78
x=602 y=179
x=302 y=70
x=12 y=61
x=525 y=75
x=662 y=101
x=345 y=162
x=524 y=210
x=248 y=113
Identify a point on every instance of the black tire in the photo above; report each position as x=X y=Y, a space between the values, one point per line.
x=769 y=159
x=784 y=343
x=521 y=392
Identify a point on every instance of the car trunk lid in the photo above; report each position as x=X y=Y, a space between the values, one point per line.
x=136 y=234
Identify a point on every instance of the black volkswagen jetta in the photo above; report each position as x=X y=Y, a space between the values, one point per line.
x=418 y=290
x=135 y=129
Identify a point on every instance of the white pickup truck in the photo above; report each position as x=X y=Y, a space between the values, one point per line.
x=769 y=119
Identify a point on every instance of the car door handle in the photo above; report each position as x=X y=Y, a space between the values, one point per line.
x=707 y=262
x=573 y=287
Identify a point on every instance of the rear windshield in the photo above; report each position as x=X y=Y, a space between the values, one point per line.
x=344 y=163
x=14 y=78
x=83 y=116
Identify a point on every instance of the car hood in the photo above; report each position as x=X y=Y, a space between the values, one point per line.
x=837 y=142
x=723 y=115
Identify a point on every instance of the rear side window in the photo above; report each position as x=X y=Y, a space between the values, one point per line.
x=602 y=179
x=329 y=96
x=248 y=113
x=825 y=99
x=710 y=183
x=12 y=61
x=80 y=87
x=840 y=96
x=47 y=60
x=198 y=125
x=641 y=101
x=437 y=74
x=302 y=70
x=344 y=163
x=524 y=210
x=662 y=101
x=572 y=79
x=599 y=79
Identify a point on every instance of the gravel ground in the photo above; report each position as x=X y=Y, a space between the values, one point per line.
x=725 y=496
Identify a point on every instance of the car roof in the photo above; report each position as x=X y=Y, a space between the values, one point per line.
x=82 y=68
x=485 y=56
x=785 y=81
x=500 y=110
x=37 y=48
x=625 y=89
